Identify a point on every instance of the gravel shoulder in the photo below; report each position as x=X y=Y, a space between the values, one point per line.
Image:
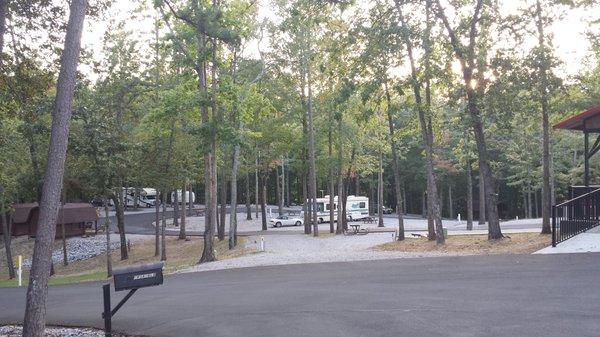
x=17 y=331
x=300 y=249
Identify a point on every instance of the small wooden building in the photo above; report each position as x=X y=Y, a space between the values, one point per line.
x=76 y=217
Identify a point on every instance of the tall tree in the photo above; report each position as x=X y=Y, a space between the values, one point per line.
x=423 y=109
x=473 y=66
x=34 y=321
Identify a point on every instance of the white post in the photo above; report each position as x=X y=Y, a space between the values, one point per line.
x=458 y=217
x=262 y=243
x=20 y=269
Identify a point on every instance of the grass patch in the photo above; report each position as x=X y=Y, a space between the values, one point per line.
x=180 y=254
x=472 y=244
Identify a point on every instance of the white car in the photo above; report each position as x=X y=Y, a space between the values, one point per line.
x=285 y=220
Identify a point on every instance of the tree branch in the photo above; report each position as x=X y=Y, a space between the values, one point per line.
x=176 y=14
x=456 y=44
x=176 y=40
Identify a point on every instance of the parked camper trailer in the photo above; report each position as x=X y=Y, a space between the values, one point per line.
x=357 y=207
x=145 y=198
x=323 y=208
x=190 y=197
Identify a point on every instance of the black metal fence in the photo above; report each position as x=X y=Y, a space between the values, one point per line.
x=575 y=216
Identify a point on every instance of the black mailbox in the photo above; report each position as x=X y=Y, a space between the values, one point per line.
x=145 y=275
x=132 y=279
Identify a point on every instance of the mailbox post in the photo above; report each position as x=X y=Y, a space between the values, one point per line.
x=132 y=279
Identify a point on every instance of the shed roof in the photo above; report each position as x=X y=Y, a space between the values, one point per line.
x=69 y=213
x=21 y=213
x=591 y=117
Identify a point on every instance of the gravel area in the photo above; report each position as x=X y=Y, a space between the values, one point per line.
x=195 y=223
x=16 y=331
x=79 y=248
x=296 y=249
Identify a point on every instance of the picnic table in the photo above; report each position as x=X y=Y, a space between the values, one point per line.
x=356 y=230
x=369 y=220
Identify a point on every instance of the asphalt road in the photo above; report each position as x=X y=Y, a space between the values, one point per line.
x=509 y=295
x=141 y=223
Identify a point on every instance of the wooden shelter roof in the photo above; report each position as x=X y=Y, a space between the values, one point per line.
x=589 y=119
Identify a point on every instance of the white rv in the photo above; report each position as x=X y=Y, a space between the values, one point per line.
x=146 y=197
x=190 y=197
x=357 y=207
x=323 y=208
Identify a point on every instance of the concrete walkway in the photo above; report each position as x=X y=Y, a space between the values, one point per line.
x=588 y=242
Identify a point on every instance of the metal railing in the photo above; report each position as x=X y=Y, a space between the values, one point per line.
x=575 y=216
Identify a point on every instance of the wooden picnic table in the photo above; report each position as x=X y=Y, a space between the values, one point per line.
x=369 y=220
x=355 y=228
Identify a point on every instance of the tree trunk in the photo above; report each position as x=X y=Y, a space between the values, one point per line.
x=108 y=247
x=380 y=192
x=182 y=233
x=468 y=65
x=248 y=210
x=536 y=204
x=175 y=202
x=210 y=201
x=450 y=203
x=345 y=190
x=256 y=189
x=305 y=205
x=395 y=166
x=372 y=196
x=469 y=196
x=6 y=232
x=287 y=188
x=118 y=199
x=136 y=198
x=233 y=212
x=441 y=200
x=191 y=201
x=312 y=170
x=546 y=160
x=223 y=192
x=157 y=224
x=524 y=195
x=481 y=200
x=278 y=191
x=529 y=202
x=331 y=178
x=433 y=205
x=340 y=158
x=163 y=227
x=263 y=200
x=35 y=311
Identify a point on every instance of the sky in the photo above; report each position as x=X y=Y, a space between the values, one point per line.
x=571 y=46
